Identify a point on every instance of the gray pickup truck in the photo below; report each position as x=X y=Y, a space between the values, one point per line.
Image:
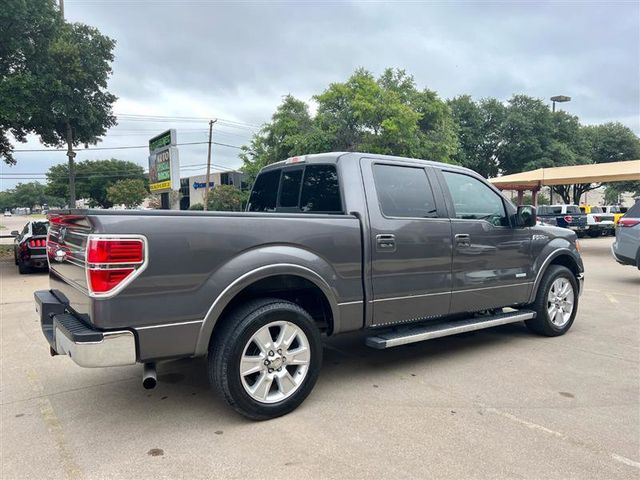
x=405 y=250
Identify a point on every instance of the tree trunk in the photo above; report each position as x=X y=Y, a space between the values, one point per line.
x=564 y=191
x=581 y=188
x=72 y=168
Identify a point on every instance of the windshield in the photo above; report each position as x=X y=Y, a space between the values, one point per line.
x=40 y=228
x=573 y=209
x=596 y=210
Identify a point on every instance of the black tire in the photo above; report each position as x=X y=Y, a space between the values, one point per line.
x=542 y=324
x=227 y=346
x=23 y=269
x=593 y=233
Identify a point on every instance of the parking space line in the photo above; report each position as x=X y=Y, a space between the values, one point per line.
x=611 y=298
x=625 y=460
x=561 y=436
x=54 y=426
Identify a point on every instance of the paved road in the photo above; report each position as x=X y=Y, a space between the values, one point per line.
x=494 y=404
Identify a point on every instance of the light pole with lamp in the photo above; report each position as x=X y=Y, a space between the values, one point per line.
x=559 y=99
x=554 y=99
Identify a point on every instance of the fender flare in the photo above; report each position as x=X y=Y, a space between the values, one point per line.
x=250 y=277
x=545 y=265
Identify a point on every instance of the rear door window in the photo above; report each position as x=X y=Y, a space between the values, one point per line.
x=265 y=192
x=404 y=191
x=320 y=190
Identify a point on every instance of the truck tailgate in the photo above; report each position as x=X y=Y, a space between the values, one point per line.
x=66 y=250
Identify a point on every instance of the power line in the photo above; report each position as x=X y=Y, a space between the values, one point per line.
x=30 y=150
x=165 y=118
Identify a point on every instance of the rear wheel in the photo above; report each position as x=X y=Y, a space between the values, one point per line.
x=266 y=358
x=594 y=233
x=556 y=302
x=22 y=268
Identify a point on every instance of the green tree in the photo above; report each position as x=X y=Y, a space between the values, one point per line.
x=388 y=115
x=93 y=178
x=285 y=136
x=64 y=85
x=130 y=192
x=613 y=191
x=28 y=195
x=7 y=201
x=608 y=142
x=27 y=29
x=225 y=198
x=79 y=108
x=479 y=126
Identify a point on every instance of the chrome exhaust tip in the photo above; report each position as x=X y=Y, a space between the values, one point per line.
x=149 y=376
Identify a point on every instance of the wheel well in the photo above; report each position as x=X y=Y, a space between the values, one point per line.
x=293 y=288
x=566 y=261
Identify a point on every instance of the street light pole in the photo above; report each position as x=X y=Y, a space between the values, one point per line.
x=554 y=99
x=559 y=99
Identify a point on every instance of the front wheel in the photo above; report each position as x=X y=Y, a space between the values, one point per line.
x=266 y=358
x=556 y=302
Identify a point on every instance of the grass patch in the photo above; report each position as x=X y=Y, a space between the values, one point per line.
x=6 y=252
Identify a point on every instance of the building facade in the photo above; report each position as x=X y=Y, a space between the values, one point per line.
x=192 y=188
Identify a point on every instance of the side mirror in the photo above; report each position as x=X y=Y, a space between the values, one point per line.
x=15 y=233
x=526 y=216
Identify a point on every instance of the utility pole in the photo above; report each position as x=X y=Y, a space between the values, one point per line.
x=62 y=8
x=72 y=168
x=206 y=187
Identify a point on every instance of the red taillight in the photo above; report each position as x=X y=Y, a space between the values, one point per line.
x=568 y=218
x=628 y=222
x=597 y=219
x=112 y=261
x=102 y=281
x=115 y=251
x=38 y=243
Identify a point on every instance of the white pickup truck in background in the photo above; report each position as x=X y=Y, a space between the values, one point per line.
x=598 y=222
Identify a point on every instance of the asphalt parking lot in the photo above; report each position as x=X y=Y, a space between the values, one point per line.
x=500 y=403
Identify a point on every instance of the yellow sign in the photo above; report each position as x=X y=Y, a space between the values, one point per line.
x=160 y=185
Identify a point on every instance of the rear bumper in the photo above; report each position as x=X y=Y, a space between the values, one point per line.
x=88 y=347
x=36 y=261
x=621 y=259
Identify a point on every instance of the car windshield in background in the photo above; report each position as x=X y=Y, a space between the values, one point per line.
x=596 y=210
x=573 y=209
x=40 y=228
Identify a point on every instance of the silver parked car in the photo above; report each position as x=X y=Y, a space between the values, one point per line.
x=626 y=248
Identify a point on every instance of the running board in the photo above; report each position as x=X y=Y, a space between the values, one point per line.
x=418 y=333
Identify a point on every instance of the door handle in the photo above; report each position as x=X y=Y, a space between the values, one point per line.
x=463 y=240
x=386 y=241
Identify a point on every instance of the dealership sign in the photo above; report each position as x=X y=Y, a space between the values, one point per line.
x=197 y=185
x=164 y=166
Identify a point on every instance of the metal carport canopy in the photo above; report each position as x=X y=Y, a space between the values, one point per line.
x=591 y=173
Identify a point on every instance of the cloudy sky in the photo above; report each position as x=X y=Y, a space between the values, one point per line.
x=235 y=60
